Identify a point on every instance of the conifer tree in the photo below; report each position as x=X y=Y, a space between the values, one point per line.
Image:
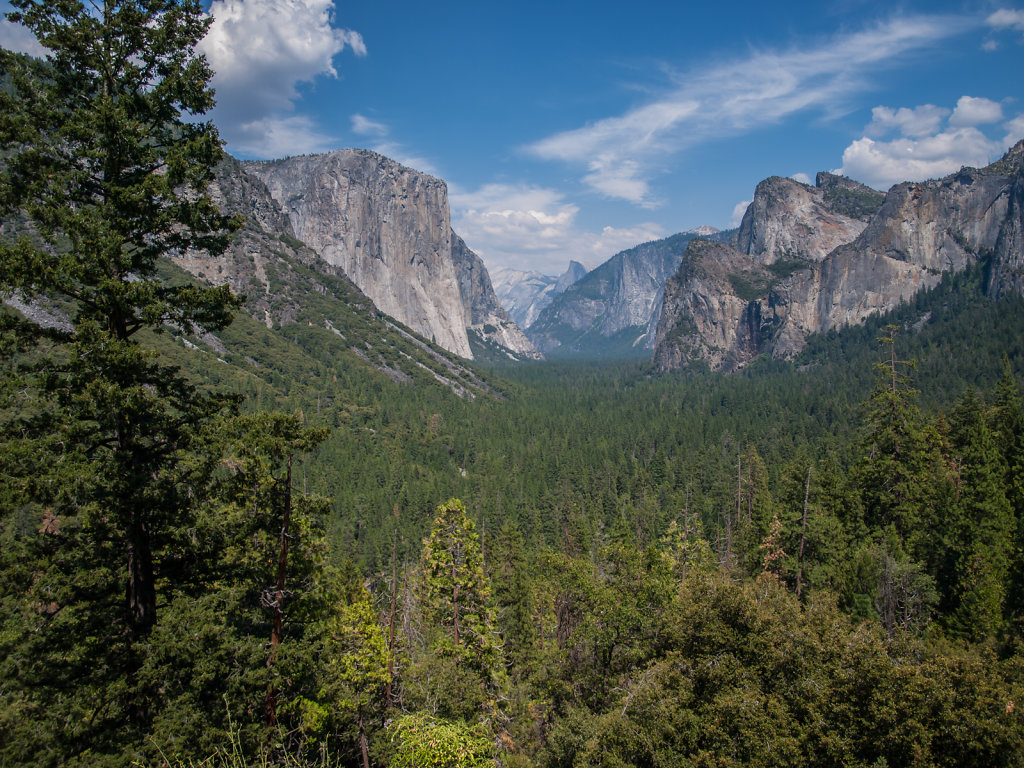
x=106 y=167
x=984 y=538
x=455 y=593
x=901 y=471
x=459 y=672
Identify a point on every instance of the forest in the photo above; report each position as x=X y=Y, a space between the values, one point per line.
x=306 y=563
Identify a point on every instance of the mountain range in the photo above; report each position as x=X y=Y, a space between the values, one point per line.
x=810 y=260
x=805 y=259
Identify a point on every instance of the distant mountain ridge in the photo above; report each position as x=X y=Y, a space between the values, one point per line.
x=524 y=294
x=613 y=310
x=809 y=260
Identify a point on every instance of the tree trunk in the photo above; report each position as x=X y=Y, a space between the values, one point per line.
x=803 y=537
x=388 y=703
x=363 y=748
x=277 y=624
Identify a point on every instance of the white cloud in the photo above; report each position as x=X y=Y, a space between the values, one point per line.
x=737 y=212
x=972 y=111
x=803 y=178
x=880 y=164
x=15 y=37
x=260 y=50
x=274 y=137
x=533 y=228
x=364 y=126
x=622 y=154
x=1007 y=18
x=933 y=142
x=1014 y=131
x=919 y=121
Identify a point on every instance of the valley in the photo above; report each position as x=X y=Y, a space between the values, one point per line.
x=285 y=484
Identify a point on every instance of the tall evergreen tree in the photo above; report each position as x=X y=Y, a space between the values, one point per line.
x=107 y=169
x=901 y=469
x=462 y=669
x=982 y=545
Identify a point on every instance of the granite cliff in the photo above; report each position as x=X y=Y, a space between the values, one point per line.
x=389 y=228
x=788 y=220
x=614 y=309
x=525 y=293
x=727 y=305
x=310 y=314
x=485 y=319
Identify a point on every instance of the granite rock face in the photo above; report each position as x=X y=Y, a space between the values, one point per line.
x=483 y=314
x=285 y=283
x=705 y=317
x=790 y=221
x=389 y=228
x=614 y=307
x=919 y=232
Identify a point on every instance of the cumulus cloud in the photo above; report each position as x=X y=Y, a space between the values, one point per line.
x=919 y=121
x=803 y=178
x=621 y=154
x=260 y=50
x=972 y=111
x=916 y=155
x=15 y=37
x=526 y=227
x=738 y=211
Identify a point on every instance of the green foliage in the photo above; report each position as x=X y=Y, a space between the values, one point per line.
x=419 y=741
x=856 y=203
x=461 y=641
x=108 y=178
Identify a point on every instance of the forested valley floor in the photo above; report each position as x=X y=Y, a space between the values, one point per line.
x=236 y=538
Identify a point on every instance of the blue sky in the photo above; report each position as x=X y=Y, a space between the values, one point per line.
x=572 y=130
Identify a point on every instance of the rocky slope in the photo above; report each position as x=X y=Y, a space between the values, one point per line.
x=789 y=221
x=613 y=310
x=919 y=232
x=310 y=313
x=485 y=319
x=388 y=227
x=525 y=294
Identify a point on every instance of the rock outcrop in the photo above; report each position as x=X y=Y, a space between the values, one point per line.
x=389 y=228
x=287 y=287
x=525 y=294
x=483 y=314
x=706 y=315
x=789 y=221
x=919 y=232
x=614 y=309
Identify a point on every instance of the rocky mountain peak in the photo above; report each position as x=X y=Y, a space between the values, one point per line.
x=389 y=228
x=918 y=232
x=791 y=221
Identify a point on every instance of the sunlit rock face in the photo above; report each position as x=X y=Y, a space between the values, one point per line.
x=389 y=228
x=775 y=287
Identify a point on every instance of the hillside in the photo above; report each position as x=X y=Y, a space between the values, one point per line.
x=799 y=267
x=613 y=310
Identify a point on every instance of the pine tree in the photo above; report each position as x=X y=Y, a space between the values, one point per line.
x=454 y=592
x=901 y=471
x=983 y=543
x=107 y=171
x=459 y=673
